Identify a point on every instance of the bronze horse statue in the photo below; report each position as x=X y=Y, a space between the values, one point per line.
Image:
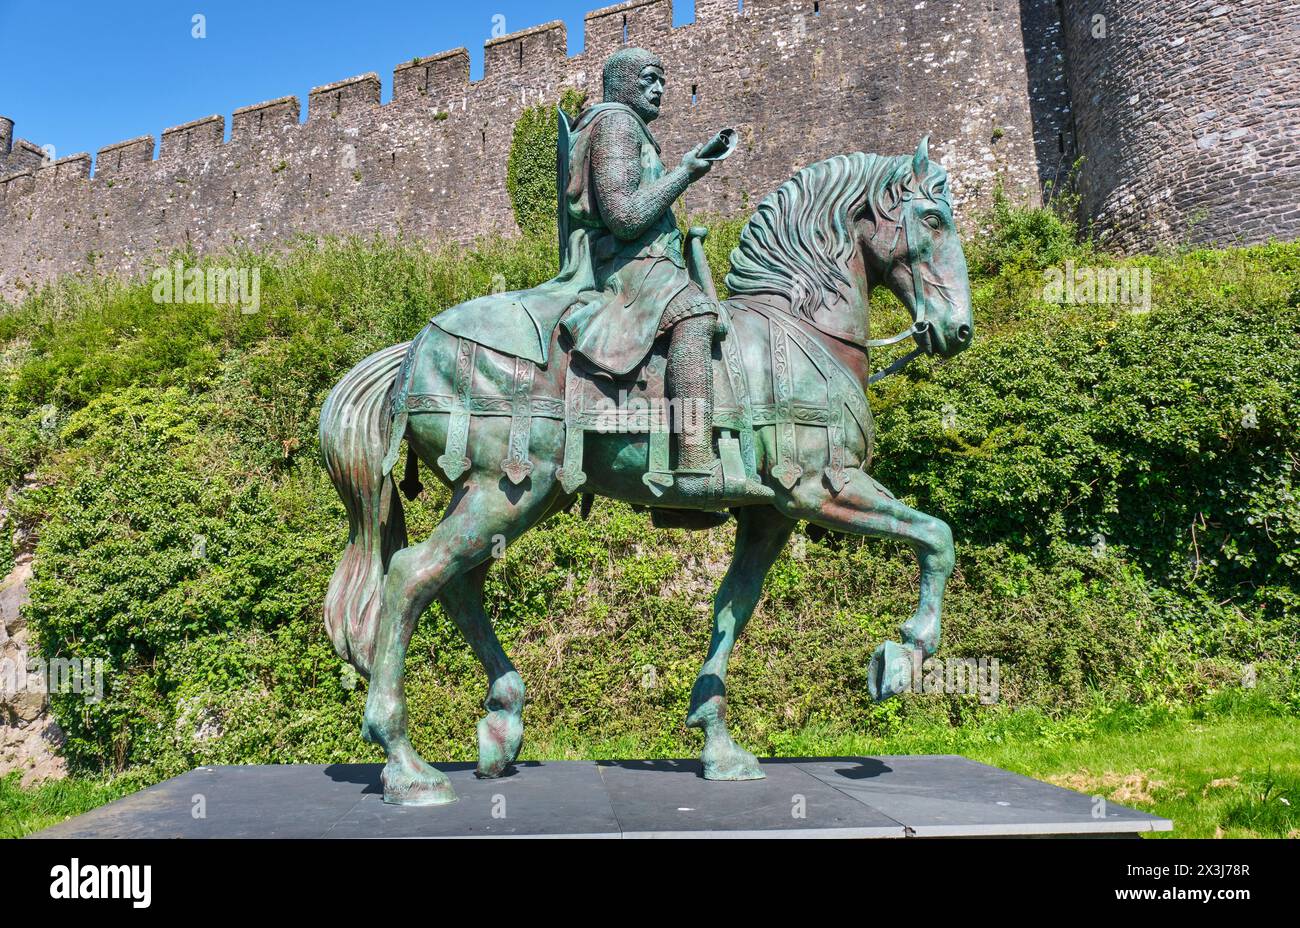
x=506 y=435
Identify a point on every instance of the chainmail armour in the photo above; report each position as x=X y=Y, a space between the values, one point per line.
x=630 y=210
x=621 y=77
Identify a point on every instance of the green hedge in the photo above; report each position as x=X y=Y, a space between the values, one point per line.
x=187 y=532
x=530 y=166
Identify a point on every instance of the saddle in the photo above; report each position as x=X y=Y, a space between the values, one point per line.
x=477 y=380
x=637 y=403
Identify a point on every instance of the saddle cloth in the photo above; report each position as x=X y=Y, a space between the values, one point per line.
x=805 y=386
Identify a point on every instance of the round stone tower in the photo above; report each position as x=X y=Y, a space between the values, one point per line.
x=1186 y=116
x=6 y=137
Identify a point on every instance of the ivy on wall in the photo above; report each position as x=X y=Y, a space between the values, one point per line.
x=530 y=170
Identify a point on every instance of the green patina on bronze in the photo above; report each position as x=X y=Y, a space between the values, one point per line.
x=624 y=376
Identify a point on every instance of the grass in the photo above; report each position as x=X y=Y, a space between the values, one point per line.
x=23 y=811
x=1234 y=778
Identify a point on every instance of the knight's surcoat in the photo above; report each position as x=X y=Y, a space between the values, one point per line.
x=638 y=280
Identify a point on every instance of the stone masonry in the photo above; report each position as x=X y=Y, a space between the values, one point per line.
x=1187 y=115
x=1183 y=109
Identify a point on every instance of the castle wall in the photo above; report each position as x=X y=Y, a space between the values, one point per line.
x=1186 y=116
x=800 y=79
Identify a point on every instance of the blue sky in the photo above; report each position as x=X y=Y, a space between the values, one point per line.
x=80 y=76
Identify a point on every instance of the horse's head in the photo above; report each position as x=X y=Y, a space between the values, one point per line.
x=819 y=242
x=911 y=245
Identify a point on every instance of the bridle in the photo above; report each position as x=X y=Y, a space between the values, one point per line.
x=920 y=326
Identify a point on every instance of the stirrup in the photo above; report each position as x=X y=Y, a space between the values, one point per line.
x=737 y=483
x=711 y=488
x=702 y=484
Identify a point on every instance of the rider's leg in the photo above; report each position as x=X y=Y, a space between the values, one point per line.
x=690 y=387
x=690 y=384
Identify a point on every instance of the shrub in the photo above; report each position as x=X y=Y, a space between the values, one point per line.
x=530 y=167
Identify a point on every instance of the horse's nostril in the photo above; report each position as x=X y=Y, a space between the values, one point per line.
x=963 y=334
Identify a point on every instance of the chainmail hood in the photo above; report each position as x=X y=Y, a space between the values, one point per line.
x=623 y=74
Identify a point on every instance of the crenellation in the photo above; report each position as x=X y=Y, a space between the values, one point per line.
x=527 y=54
x=72 y=168
x=448 y=76
x=25 y=156
x=263 y=121
x=193 y=138
x=637 y=22
x=411 y=80
x=350 y=97
x=118 y=158
x=1009 y=91
x=716 y=11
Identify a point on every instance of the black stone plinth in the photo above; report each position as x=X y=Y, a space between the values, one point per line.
x=849 y=797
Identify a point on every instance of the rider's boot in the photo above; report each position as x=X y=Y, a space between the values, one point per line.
x=698 y=475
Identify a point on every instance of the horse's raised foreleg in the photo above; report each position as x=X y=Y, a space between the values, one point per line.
x=761 y=533
x=501 y=731
x=478 y=518
x=864 y=507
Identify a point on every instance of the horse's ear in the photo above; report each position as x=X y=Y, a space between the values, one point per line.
x=921 y=160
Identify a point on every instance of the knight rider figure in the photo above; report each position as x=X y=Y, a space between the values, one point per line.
x=620 y=191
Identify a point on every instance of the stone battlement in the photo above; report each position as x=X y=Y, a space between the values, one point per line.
x=992 y=82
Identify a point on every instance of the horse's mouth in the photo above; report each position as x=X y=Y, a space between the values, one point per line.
x=931 y=340
x=926 y=339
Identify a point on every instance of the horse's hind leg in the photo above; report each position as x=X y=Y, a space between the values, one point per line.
x=478 y=516
x=864 y=507
x=761 y=533
x=501 y=731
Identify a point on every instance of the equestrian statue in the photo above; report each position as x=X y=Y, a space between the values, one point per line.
x=625 y=376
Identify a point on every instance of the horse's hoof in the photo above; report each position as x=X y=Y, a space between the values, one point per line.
x=890 y=671
x=500 y=735
x=730 y=762
x=426 y=786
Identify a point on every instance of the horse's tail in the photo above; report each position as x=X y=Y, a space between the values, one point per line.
x=354 y=437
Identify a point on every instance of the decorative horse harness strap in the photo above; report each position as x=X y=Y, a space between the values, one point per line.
x=905 y=227
x=844 y=396
x=518 y=403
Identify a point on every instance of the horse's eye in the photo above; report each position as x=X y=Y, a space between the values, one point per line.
x=934 y=222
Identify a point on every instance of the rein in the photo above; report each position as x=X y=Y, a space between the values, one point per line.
x=920 y=325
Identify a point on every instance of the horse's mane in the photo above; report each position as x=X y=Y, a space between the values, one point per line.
x=799 y=241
